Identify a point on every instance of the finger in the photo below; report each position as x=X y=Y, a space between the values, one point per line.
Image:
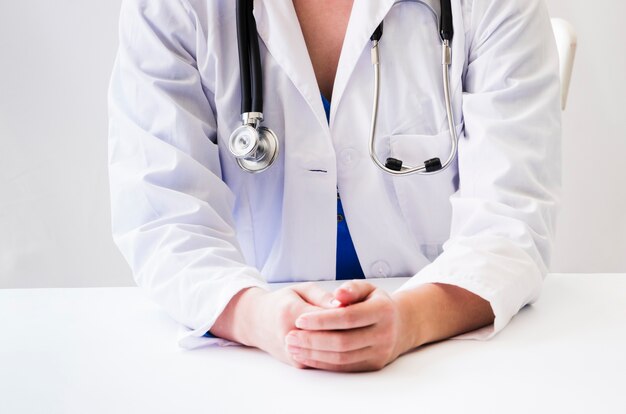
x=334 y=341
x=335 y=358
x=356 y=367
x=315 y=295
x=353 y=292
x=355 y=316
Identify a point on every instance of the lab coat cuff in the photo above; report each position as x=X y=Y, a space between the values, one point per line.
x=201 y=337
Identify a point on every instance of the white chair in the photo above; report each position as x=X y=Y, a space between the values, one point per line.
x=566 y=42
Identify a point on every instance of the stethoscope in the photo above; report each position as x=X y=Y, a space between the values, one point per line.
x=256 y=147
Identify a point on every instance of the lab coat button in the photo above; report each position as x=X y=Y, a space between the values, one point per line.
x=348 y=156
x=381 y=269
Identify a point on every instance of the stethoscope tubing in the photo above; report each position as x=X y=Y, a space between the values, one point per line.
x=243 y=47
x=445 y=63
x=453 y=134
x=256 y=74
x=448 y=99
x=250 y=142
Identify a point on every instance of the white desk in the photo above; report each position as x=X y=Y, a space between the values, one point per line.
x=113 y=351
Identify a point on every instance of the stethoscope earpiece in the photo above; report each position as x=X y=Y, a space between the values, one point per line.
x=430 y=166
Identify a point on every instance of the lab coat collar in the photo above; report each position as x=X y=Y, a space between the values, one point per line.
x=278 y=27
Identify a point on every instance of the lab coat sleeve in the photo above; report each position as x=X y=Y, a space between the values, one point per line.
x=171 y=211
x=503 y=214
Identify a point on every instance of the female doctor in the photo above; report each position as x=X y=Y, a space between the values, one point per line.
x=204 y=235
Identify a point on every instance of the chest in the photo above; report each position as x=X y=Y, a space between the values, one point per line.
x=324 y=24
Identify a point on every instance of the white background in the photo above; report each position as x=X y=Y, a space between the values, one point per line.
x=54 y=204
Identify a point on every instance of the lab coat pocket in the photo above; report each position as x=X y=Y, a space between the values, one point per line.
x=424 y=200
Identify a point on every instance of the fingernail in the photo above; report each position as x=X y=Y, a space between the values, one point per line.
x=344 y=290
x=302 y=323
x=292 y=339
x=335 y=303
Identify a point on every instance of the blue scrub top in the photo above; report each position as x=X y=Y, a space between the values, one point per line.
x=347 y=266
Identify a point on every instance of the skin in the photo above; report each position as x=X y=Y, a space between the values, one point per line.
x=324 y=24
x=357 y=327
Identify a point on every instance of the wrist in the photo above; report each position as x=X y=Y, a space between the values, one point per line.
x=413 y=330
x=236 y=322
x=434 y=311
x=247 y=320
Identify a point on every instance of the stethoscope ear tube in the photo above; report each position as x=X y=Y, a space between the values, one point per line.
x=395 y=166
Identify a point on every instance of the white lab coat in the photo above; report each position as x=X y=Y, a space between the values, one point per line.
x=195 y=229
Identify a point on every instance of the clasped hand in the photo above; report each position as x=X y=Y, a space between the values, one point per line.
x=360 y=332
x=356 y=328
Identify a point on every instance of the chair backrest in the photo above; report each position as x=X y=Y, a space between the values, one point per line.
x=566 y=42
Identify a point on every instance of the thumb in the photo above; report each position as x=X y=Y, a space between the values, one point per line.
x=353 y=292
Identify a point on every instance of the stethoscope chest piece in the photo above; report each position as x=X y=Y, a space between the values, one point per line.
x=256 y=149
